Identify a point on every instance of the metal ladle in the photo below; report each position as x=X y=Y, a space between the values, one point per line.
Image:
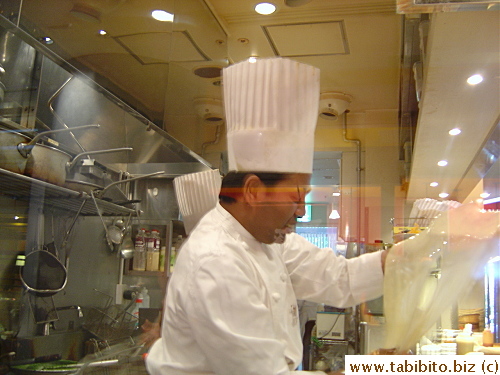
x=108 y=239
x=127 y=247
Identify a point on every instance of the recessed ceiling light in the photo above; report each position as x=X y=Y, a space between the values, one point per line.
x=335 y=194
x=103 y=32
x=442 y=163
x=265 y=8
x=484 y=195
x=46 y=40
x=433 y=184
x=455 y=131
x=252 y=59
x=443 y=195
x=161 y=15
x=475 y=79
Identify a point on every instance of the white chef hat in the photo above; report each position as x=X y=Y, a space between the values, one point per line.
x=271 y=108
x=197 y=193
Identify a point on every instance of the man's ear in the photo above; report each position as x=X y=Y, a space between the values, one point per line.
x=252 y=190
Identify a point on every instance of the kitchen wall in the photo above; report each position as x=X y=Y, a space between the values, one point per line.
x=94 y=270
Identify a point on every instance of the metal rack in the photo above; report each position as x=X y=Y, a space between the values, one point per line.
x=25 y=188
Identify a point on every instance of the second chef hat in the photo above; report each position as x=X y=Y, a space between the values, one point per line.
x=271 y=108
x=197 y=193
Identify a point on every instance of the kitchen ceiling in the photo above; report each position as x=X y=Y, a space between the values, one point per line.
x=358 y=45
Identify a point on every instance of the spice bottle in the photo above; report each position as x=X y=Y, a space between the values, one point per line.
x=153 y=253
x=139 y=261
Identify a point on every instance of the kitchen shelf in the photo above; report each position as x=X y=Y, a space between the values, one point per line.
x=25 y=188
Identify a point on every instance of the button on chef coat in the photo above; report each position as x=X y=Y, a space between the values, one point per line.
x=229 y=310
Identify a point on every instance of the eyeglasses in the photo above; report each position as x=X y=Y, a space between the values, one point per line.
x=302 y=195
x=288 y=192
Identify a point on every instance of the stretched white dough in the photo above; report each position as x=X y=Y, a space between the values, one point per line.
x=456 y=248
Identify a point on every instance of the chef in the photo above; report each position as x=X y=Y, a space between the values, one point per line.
x=231 y=303
x=196 y=194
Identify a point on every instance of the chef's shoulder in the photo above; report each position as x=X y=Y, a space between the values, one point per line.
x=208 y=243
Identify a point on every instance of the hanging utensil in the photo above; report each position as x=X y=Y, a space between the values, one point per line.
x=56 y=116
x=115 y=235
x=43 y=274
x=127 y=248
x=108 y=239
x=51 y=246
x=100 y=193
x=66 y=236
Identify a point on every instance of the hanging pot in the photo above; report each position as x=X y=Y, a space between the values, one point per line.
x=16 y=149
x=10 y=158
x=51 y=165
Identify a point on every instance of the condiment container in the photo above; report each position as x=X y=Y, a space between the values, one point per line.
x=465 y=343
x=488 y=339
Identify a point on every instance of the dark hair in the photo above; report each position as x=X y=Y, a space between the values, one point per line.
x=234 y=181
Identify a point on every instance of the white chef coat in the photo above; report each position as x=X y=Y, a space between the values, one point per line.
x=231 y=303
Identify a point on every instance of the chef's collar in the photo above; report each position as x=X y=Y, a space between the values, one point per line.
x=233 y=226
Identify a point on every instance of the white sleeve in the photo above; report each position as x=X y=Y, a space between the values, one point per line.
x=230 y=322
x=318 y=275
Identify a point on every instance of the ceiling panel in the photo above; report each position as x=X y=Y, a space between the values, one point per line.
x=307 y=39
x=153 y=48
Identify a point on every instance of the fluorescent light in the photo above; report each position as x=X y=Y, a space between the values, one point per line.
x=443 y=195
x=265 y=8
x=434 y=184
x=335 y=194
x=334 y=215
x=442 y=163
x=454 y=131
x=161 y=15
x=475 y=79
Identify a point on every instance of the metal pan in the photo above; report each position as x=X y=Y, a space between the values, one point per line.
x=16 y=148
x=51 y=165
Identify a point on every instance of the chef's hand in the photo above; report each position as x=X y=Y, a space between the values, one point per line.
x=151 y=333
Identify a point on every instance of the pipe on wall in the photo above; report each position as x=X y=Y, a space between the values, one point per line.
x=358 y=167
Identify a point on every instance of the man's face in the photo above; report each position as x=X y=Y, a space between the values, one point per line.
x=280 y=207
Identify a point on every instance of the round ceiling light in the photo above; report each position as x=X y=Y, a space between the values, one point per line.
x=442 y=163
x=475 y=79
x=162 y=15
x=265 y=8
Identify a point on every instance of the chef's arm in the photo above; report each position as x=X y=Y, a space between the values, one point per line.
x=319 y=275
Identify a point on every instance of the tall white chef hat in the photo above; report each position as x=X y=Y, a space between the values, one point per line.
x=197 y=193
x=271 y=108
